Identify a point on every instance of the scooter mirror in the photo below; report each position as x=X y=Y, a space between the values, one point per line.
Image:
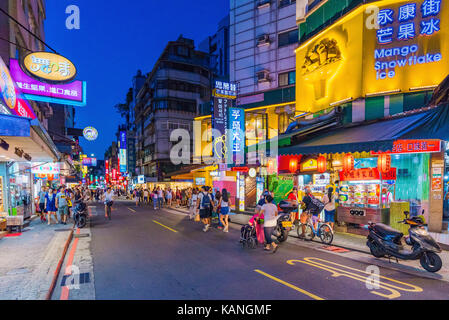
x=406 y=214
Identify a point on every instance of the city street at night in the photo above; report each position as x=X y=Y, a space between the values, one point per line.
x=146 y=254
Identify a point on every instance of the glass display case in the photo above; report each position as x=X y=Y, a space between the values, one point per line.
x=360 y=194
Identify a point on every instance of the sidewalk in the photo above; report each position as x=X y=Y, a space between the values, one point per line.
x=28 y=260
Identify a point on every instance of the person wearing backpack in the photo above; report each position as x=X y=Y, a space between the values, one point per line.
x=204 y=204
x=311 y=206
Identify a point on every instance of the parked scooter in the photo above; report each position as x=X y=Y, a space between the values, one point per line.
x=80 y=214
x=284 y=224
x=386 y=241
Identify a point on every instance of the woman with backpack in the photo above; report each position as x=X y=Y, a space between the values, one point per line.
x=223 y=203
x=204 y=203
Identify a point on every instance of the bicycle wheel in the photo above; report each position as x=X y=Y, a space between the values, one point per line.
x=326 y=234
x=308 y=233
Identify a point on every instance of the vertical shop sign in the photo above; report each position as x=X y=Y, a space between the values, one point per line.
x=224 y=94
x=236 y=136
x=437 y=179
x=122 y=152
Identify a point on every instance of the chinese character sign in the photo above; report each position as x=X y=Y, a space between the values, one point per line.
x=49 y=66
x=402 y=26
x=236 y=135
x=225 y=90
x=73 y=91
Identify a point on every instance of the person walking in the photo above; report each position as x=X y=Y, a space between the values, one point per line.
x=329 y=207
x=193 y=207
x=42 y=210
x=270 y=212
x=154 y=196
x=224 y=209
x=62 y=205
x=146 y=195
x=204 y=203
x=108 y=198
x=136 y=197
x=160 y=197
x=50 y=200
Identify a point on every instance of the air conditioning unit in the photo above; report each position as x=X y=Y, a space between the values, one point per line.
x=263 y=3
x=263 y=40
x=263 y=76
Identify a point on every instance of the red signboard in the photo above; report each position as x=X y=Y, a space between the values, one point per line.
x=367 y=174
x=240 y=169
x=414 y=146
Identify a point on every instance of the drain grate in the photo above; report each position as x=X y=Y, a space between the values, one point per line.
x=83 y=278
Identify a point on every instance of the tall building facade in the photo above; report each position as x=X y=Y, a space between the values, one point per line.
x=170 y=99
x=263 y=39
x=31 y=14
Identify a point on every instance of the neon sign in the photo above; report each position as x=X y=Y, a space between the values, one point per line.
x=406 y=28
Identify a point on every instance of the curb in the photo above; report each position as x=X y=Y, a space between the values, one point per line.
x=58 y=268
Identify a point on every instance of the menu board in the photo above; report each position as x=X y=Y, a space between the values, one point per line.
x=360 y=195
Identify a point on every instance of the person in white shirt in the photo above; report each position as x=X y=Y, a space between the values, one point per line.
x=270 y=212
x=108 y=198
x=193 y=207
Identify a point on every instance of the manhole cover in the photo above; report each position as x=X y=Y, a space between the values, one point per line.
x=18 y=271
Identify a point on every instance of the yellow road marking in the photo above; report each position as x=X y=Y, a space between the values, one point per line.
x=131 y=209
x=164 y=226
x=363 y=277
x=311 y=295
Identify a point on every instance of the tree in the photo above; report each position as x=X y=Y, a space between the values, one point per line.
x=123 y=108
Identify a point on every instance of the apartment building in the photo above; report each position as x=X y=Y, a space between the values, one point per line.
x=170 y=99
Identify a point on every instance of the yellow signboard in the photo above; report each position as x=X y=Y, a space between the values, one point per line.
x=49 y=66
x=400 y=47
x=309 y=165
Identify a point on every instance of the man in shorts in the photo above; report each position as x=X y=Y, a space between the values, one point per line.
x=62 y=205
x=204 y=203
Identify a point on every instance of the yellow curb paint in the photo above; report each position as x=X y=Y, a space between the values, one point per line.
x=309 y=294
x=164 y=226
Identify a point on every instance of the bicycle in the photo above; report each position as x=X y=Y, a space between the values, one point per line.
x=324 y=231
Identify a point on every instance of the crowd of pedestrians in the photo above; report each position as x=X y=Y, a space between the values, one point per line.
x=159 y=197
x=56 y=204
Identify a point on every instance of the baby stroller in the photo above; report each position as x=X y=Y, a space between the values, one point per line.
x=248 y=237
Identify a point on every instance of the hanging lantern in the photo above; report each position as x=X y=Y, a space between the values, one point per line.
x=321 y=164
x=348 y=162
x=293 y=165
x=384 y=162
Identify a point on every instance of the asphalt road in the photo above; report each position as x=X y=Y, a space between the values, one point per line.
x=147 y=254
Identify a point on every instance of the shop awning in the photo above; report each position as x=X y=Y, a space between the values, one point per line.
x=378 y=136
x=29 y=136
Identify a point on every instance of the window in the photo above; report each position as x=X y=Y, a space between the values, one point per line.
x=284 y=3
x=287 y=78
x=182 y=51
x=287 y=38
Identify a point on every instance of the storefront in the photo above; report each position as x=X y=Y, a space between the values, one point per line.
x=381 y=169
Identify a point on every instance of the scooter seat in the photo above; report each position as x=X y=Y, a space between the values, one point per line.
x=388 y=232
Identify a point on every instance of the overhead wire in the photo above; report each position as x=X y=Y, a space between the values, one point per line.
x=28 y=30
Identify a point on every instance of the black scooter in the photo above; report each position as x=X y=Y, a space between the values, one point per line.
x=386 y=241
x=80 y=214
x=284 y=224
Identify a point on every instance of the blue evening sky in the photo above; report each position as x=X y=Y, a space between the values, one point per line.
x=116 y=38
